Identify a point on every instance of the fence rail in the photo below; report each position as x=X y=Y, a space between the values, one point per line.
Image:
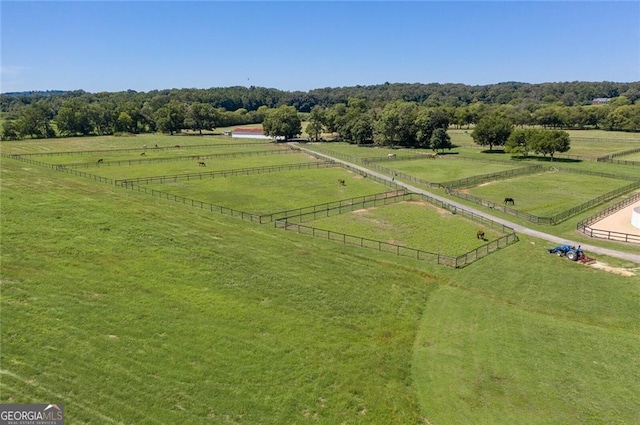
x=148 y=149
x=337 y=207
x=180 y=158
x=400 y=250
x=475 y=180
x=584 y=226
x=224 y=173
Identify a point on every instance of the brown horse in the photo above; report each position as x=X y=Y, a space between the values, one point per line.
x=432 y=155
x=142 y=154
x=509 y=201
x=342 y=182
x=202 y=163
x=480 y=234
x=100 y=161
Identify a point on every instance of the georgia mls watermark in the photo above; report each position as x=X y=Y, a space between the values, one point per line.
x=31 y=414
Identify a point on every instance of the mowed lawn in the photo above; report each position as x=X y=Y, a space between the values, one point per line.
x=527 y=337
x=549 y=193
x=273 y=192
x=413 y=224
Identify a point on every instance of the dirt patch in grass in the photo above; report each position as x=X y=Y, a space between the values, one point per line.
x=616 y=270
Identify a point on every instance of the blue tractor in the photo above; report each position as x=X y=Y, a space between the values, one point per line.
x=569 y=251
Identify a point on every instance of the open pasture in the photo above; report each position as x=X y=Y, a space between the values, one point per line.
x=364 y=151
x=273 y=192
x=547 y=194
x=75 y=144
x=442 y=169
x=131 y=309
x=413 y=224
x=191 y=165
x=593 y=148
x=88 y=158
x=630 y=157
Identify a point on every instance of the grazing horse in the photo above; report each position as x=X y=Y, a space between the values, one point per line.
x=341 y=181
x=509 y=201
x=202 y=163
x=177 y=146
x=391 y=156
x=100 y=161
x=142 y=154
x=480 y=234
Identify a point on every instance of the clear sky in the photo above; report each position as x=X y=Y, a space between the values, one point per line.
x=301 y=45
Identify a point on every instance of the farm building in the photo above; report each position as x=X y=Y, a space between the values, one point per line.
x=600 y=101
x=249 y=133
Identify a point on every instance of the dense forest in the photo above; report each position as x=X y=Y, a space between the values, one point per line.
x=557 y=105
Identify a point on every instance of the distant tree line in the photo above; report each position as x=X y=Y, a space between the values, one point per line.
x=406 y=114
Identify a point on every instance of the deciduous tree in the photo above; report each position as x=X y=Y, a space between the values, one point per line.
x=494 y=130
x=282 y=122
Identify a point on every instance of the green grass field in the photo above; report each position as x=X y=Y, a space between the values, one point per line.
x=274 y=192
x=128 y=308
x=413 y=224
x=561 y=192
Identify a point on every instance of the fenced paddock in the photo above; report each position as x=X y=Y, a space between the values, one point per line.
x=551 y=193
x=136 y=158
x=277 y=191
x=505 y=235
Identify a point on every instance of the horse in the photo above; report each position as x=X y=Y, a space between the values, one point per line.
x=341 y=181
x=432 y=155
x=509 y=201
x=100 y=161
x=177 y=146
x=391 y=156
x=202 y=164
x=480 y=234
x=142 y=154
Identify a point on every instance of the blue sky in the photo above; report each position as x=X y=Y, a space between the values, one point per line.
x=302 y=45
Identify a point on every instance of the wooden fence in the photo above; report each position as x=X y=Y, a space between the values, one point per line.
x=584 y=226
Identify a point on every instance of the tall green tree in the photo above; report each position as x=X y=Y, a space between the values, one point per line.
x=493 y=130
x=520 y=141
x=396 y=124
x=9 y=130
x=316 y=122
x=35 y=120
x=201 y=116
x=282 y=122
x=440 y=139
x=73 y=118
x=548 y=142
x=170 y=118
x=427 y=121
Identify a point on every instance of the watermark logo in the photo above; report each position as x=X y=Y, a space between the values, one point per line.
x=31 y=414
